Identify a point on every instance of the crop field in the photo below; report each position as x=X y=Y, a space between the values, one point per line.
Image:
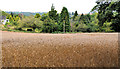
x=59 y=50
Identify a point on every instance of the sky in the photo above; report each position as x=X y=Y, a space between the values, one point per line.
x=82 y=6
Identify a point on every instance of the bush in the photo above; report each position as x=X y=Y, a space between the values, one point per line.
x=38 y=30
x=82 y=28
x=30 y=22
x=107 y=27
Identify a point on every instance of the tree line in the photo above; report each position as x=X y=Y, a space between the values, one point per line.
x=105 y=17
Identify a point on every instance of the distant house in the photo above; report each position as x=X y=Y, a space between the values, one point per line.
x=4 y=20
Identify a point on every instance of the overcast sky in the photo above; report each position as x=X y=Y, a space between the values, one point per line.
x=82 y=6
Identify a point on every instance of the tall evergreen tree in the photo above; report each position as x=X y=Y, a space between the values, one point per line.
x=82 y=18
x=12 y=14
x=53 y=14
x=85 y=19
x=75 y=15
x=64 y=18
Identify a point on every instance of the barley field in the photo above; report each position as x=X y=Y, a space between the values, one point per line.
x=59 y=50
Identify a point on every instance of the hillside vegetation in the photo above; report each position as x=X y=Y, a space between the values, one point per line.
x=104 y=17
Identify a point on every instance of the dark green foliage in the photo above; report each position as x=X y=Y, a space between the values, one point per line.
x=75 y=15
x=110 y=12
x=49 y=25
x=44 y=16
x=85 y=18
x=116 y=16
x=53 y=14
x=104 y=18
x=12 y=14
x=64 y=19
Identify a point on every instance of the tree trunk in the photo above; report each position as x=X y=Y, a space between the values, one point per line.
x=64 y=27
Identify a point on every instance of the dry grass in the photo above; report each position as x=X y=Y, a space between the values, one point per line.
x=59 y=50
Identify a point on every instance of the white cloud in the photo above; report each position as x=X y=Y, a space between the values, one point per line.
x=82 y=6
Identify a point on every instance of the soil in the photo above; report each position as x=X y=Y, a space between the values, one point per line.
x=59 y=50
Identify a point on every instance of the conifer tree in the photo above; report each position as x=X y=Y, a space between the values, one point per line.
x=64 y=18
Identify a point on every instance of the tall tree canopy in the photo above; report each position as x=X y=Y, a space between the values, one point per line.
x=75 y=15
x=84 y=18
x=65 y=19
x=108 y=11
x=53 y=14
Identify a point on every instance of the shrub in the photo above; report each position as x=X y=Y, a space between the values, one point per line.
x=107 y=27
x=38 y=30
